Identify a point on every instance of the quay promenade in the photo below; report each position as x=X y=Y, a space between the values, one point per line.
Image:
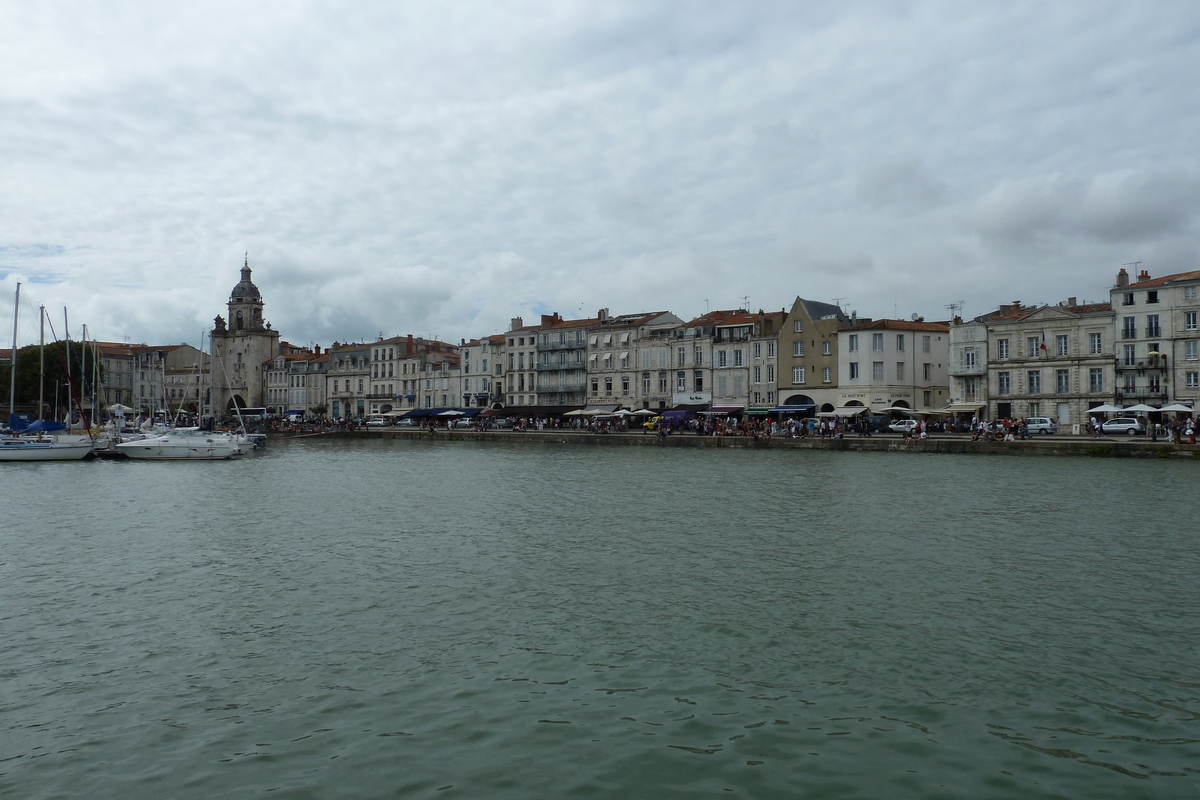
x=1057 y=445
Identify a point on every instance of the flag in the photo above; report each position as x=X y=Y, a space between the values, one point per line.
x=1043 y=340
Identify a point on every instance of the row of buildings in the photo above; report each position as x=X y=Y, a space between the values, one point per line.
x=1043 y=360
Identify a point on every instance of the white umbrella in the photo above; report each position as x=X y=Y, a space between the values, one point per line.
x=622 y=413
x=117 y=408
x=451 y=413
x=1141 y=407
x=1176 y=407
x=644 y=412
x=1106 y=409
x=576 y=413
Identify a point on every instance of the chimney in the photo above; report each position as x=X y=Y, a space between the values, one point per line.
x=316 y=349
x=853 y=317
x=516 y=322
x=602 y=314
x=1143 y=276
x=1122 y=277
x=1070 y=302
x=409 y=351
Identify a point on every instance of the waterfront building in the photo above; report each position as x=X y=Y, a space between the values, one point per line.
x=561 y=368
x=725 y=361
x=1021 y=361
x=894 y=362
x=808 y=373
x=619 y=357
x=1155 y=320
x=481 y=372
x=520 y=355
x=242 y=348
x=408 y=372
x=346 y=379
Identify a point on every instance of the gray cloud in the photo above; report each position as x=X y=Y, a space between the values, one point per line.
x=399 y=167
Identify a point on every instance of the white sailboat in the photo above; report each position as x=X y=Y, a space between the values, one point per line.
x=182 y=443
x=42 y=447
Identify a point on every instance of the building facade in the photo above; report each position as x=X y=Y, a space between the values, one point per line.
x=241 y=349
x=894 y=362
x=1158 y=332
x=808 y=373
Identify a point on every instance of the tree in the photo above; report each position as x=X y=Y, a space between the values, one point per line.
x=320 y=409
x=30 y=378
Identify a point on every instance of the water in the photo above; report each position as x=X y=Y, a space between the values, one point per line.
x=405 y=619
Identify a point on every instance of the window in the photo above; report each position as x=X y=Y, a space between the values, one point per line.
x=1095 y=380
x=797 y=374
x=1004 y=383
x=624 y=384
x=1032 y=345
x=1130 y=355
x=662 y=382
x=1034 y=381
x=722 y=358
x=797 y=349
x=1127 y=299
x=770 y=349
x=1062 y=381
x=645 y=383
x=1128 y=328
x=770 y=373
x=1096 y=343
x=927 y=373
x=827 y=348
x=827 y=375
x=1002 y=349
x=608 y=387
x=681 y=356
x=876 y=341
x=899 y=370
x=1189 y=293
x=1151 y=297
x=758 y=374
x=1062 y=344
x=852 y=343
x=698 y=381
x=1189 y=321
x=738 y=358
x=697 y=355
x=899 y=342
x=925 y=342
x=853 y=370
x=681 y=381
x=1152 y=328
x=1193 y=380
x=758 y=349
x=1191 y=350
x=595 y=386
x=968 y=356
x=799 y=327
x=876 y=370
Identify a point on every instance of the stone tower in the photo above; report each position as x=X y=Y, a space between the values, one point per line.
x=241 y=348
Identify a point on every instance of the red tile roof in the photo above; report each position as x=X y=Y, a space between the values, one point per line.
x=1178 y=277
x=900 y=325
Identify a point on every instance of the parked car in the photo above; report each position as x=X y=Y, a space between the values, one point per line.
x=903 y=426
x=1126 y=425
x=652 y=423
x=1041 y=425
x=877 y=423
x=376 y=422
x=464 y=422
x=406 y=423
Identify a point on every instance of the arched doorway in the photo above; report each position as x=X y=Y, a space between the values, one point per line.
x=237 y=401
x=385 y=408
x=826 y=408
x=901 y=404
x=799 y=400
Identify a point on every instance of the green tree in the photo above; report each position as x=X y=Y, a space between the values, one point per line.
x=30 y=377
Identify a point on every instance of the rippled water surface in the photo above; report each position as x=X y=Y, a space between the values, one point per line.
x=405 y=619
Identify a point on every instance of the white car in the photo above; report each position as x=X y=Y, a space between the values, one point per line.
x=903 y=426
x=376 y=423
x=1041 y=425
x=1126 y=425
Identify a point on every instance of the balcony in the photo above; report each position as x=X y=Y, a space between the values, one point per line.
x=559 y=367
x=556 y=345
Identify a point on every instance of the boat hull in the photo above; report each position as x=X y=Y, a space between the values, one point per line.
x=43 y=451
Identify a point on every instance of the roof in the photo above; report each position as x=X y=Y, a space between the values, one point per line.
x=818 y=310
x=900 y=325
x=1178 y=277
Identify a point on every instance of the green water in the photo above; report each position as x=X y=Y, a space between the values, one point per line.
x=410 y=619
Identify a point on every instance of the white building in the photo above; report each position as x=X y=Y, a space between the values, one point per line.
x=894 y=362
x=1158 y=360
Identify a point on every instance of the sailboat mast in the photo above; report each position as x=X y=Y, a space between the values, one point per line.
x=12 y=377
x=41 y=359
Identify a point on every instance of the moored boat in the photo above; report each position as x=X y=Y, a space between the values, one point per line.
x=41 y=448
x=182 y=443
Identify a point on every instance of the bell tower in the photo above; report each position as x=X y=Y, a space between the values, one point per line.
x=241 y=348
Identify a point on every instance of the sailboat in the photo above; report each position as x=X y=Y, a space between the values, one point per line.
x=42 y=447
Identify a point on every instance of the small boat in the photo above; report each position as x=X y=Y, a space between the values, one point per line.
x=183 y=443
x=41 y=448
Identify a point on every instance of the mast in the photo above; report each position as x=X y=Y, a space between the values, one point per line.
x=12 y=376
x=41 y=358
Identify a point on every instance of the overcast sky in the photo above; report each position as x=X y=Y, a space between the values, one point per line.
x=438 y=168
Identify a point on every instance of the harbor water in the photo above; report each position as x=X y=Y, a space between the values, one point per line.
x=379 y=619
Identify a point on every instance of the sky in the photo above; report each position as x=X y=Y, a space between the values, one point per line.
x=440 y=168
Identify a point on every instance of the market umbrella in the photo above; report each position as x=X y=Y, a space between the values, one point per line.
x=1142 y=408
x=1176 y=407
x=1106 y=409
x=643 y=412
x=451 y=413
x=117 y=408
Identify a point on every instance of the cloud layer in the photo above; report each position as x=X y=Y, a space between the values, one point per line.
x=396 y=168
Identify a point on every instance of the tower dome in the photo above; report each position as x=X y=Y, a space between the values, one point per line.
x=245 y=289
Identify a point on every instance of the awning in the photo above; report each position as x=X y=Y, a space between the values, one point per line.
x=792 y=409
x=624 y=354
x=724 y=410
x=758 y=411
x=962 y=408
x=851 y=411
x=592 y=411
